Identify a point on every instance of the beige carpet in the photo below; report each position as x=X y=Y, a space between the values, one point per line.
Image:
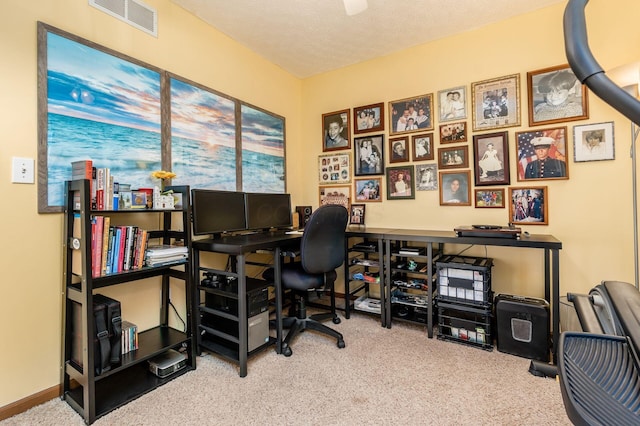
x=383 y=377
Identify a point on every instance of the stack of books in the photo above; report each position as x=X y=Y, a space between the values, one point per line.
x=129 y=339
x=159 y=255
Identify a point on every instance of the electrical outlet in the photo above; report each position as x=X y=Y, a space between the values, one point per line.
x=22 y=170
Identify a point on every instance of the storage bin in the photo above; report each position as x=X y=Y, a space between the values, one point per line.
x=464 y=279
x=464 y=324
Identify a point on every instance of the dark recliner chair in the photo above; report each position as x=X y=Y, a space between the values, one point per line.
x=321 y=252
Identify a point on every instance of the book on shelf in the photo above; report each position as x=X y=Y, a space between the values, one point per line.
x=84 y=169
x=129 y=341
x=164 y=254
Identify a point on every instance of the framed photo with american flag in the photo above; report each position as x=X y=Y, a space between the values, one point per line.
x=542 y=154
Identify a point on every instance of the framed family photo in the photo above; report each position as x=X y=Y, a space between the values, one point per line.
x=453 y=132
x=356 y=215
x=556 y=95
x=399 y=149
x=456 y=157
x=455 y=188
x=400 y=183
x=411 y=114
x=368 y=118
x=422 y=147
x=496 y=103
x=334 y=168
x=335 y=131
x=542 y=154
x=338 y=194
x=452 y=104
x=489 y=198
x=369 y=155
x=427 y=177
x=491 y=159
x=528 y=205
x=593 y=142
x=368 y=190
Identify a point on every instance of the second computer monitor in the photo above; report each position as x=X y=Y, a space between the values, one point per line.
x=266 y=211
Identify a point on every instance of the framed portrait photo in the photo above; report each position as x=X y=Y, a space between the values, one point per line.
x=455 y=188
x=556 y=95
x=368 y=190
x=368 y=118
x=369 y=155
x=528 y=205
x=400 y=183
x=334 y=168
x=399 y=149
x=593 y=142
x=422 y=147
x=356 y=215
x=496 y=103
x=489 y=198
x=338 y=194
x=336 y=131
x=427 y=177
x=456 y=157
x=452 y=104
x=491 y=159
x=453 y=132
x=411 y=114
x=542 y=154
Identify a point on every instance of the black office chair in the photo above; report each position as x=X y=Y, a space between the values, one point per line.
x=321 y=252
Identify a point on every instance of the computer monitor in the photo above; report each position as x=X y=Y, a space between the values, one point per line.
x=265 y=211
x=216 y=212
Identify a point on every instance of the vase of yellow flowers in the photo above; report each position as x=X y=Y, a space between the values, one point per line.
x=162 y=199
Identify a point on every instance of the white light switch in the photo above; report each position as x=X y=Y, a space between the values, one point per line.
x=22 y=170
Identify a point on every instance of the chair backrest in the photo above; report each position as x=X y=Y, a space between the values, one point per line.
x=322 y=246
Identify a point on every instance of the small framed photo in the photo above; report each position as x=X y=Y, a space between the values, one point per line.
x=593 y=142
x=369 y=155
x=334 y=168
x=528 y=205
x=491 y=154
x=138 y=199
x=411 y=114
x=125 y=200
x=556 y=95
x=335 y=131
x=427 y=177
x=368 y=190
x=455 y=188
x=489 y=198
x=400 y=183
x=542 y=154
x=339 y=194
x=456 y=157
x=357 y=214
x=422 y=146
x=452 y=104
x=453 y=132
x=496 y=103
x=368 y=118
x=398 y=148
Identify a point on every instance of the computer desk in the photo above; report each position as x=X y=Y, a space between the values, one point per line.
x=239 y=246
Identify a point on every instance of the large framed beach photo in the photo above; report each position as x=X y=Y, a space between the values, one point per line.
x=556 y=95
x=496 y=103
x=491 y=154
x=528 y=205
x=369 y=155
x=411 y=114
x=368 y=118
x=593 y=142
x=335 y=131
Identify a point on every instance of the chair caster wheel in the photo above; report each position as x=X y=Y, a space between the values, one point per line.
x=341 y=344
x=286 y=351
x=336 y=320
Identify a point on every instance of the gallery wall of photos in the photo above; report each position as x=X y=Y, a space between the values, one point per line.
x=454 y=142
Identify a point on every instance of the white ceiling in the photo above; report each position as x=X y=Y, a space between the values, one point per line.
x=309 y=37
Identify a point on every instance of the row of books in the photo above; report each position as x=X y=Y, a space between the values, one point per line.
x=104 y=190
x=116 y=248
x=129 y=341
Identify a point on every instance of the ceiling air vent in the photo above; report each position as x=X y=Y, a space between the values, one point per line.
x=134 y=13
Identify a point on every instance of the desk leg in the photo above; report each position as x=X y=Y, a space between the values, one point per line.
x=277 y=283
x=383 y=296
x=429 y=290
x=347 y=281
x=556 y=303
x=195 y=307
x=387 y=282
x=242 y=315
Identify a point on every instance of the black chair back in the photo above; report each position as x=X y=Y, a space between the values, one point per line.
x=322 y=245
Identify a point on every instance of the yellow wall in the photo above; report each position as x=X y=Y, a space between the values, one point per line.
x=590 y=213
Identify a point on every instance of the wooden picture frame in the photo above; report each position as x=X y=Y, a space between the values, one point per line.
x=452 y=104
x=528 y=205
x=335 y=194
x=368 y=154
x=453 y=132
x=556 y=95
x=455 y=188
x=368 y=190
x=402 y=110
x=427 y=177
x=491 y=159
x=530 y=146
x=336 y=130
x=368 y=118
x=422 y=147
x=489 y=198
x=334 y=168
x=593 y=142
x=400 y=183
x=455 y=157
x=399 y=149
x=496 y=103
x=356 y=214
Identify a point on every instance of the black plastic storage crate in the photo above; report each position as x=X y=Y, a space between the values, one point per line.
x=465 y=279
x=465 y=324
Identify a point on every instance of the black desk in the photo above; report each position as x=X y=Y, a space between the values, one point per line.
x=240 y=246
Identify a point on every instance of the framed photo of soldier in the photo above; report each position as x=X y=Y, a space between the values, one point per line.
x=542 y=154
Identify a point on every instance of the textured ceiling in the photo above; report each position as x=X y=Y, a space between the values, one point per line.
x=309 y=37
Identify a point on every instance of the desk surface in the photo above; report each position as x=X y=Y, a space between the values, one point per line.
x=239 y=244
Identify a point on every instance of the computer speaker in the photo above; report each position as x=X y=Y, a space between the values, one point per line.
x=304 y=214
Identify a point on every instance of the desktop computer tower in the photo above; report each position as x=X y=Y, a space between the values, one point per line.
x=522 y=325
